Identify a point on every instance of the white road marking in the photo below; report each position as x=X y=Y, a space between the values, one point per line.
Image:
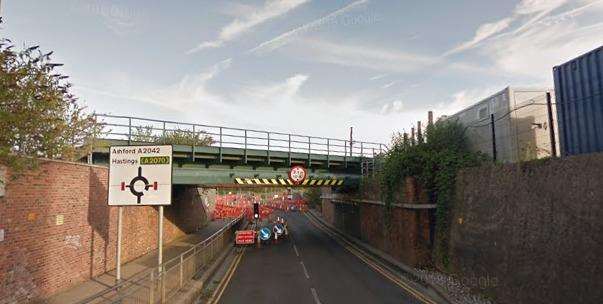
x=315 y=295
x=305 y=270
x=296 y=252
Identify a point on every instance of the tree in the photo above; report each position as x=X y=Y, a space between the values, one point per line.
x=39 y=116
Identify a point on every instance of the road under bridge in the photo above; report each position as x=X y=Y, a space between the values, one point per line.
x=312 y=266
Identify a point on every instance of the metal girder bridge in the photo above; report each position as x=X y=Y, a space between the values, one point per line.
x=244 y=157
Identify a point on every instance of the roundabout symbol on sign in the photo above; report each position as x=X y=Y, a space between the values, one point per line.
x=297 y=174
x=138 y=178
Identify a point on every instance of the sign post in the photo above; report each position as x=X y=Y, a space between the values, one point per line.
x=118 y=256
x=139 y=176
x=160 y=239
x=160 y=253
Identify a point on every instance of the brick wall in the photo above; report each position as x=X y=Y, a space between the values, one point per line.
x=407 y=237
x=192 y=206
x=328 y=209
x=59 y=230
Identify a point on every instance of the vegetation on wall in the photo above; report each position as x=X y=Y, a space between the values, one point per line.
x=433 y=159
x=39 y=116
x=174 y=137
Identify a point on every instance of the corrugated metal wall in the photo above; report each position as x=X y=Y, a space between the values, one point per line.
x=579 y=89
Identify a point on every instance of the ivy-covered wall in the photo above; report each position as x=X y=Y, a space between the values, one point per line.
x=531 y=232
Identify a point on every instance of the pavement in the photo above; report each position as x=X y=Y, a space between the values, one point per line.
x=309 y=267
x=173 y=249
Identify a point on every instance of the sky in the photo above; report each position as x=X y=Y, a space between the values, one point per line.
x=302 y=66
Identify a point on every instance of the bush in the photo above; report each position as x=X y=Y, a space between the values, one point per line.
x=174 y=137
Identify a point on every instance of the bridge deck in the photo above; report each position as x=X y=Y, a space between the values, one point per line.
x=210 y=165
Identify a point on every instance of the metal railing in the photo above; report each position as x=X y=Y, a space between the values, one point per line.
x=128 y=128
x=159 y=284
x=370 y=167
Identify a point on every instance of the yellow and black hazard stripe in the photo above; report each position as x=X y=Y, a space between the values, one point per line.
x=288 y=182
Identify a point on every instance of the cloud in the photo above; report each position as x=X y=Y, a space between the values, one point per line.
x=123 y=96
x=539 y=48
x=271 y=9
x=369 y=57
x=276 y=105
x=377 y=77
x=206 y=45
x=389 y=84
x=465 y=98
x=593 y=5
x=279 y=92
x=541 y=41
x=284 y=38
x=552 y=40
x=118 y=18
x=526 y=7
x=483 y=31
x=539 y=7
x=395 y=106
x=190 y=91
x=372 y=57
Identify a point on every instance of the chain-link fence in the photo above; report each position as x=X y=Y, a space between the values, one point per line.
x=159 y=284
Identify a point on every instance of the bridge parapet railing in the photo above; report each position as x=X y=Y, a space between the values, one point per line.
x=159 y=284
x=135 y=129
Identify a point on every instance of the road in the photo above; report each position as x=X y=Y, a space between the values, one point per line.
x=312 y=268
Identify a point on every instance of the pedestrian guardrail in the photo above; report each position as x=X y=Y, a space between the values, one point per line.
x=135 y=129
x=159 y=284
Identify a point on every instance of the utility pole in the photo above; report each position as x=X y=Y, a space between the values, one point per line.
x=549 y=107
x=493 y=137
x=412 y=136
x=351 y=139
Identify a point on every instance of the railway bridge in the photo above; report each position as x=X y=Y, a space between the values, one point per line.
x=213 y=156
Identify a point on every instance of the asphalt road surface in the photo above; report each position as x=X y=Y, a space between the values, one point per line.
x=310 y=267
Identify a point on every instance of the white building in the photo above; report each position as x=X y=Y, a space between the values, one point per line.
x=521 y=124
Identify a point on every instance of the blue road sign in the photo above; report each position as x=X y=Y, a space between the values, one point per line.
x=265 y=234
x=279 y=228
